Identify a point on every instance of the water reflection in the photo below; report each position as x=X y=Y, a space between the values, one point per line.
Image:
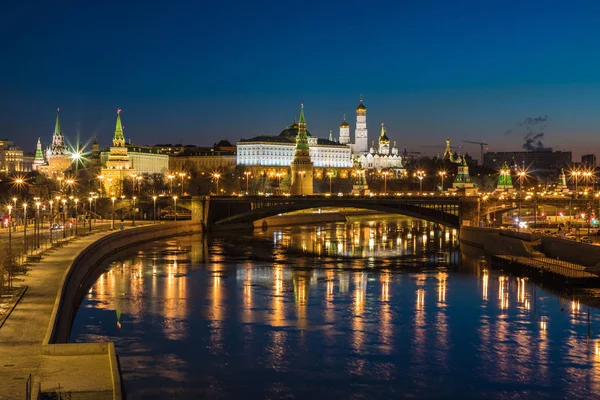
x=245 y=318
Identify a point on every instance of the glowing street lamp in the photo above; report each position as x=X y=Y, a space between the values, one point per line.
x=25 y=227
x=90 y=214
x=76 y=216
x=112 y=223
x=175 y=206
x=64 y=203
x=36 y=237
x=182 y=175
x=216 y=177
x=247 y=173
x=442 y=175
x=154 y=214
x=420 y=174
x=170 y=177
x=133 y=212
x=9 y=207
x=385 y=174
x=330 y=175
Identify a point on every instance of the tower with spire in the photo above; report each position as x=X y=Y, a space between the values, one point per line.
x=58 y=157
x=361 y=136
x=118 y=165
x=38 y=160
x=344 y=132
x=302 y=168
x=504 y=179
x=384 y=142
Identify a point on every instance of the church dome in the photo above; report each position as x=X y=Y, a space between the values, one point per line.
x=344 y=125
x=292 y=131
x=361 y=109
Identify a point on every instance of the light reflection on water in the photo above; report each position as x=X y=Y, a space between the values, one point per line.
x=233 y=318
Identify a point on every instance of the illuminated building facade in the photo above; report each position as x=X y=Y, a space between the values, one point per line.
x=12 y=158
x=383 y=157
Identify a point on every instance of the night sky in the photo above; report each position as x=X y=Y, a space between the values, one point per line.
x=198 y=72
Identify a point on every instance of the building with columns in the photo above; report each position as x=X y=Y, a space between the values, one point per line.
x=302 y=168
x=279 y=151
x=118 y=165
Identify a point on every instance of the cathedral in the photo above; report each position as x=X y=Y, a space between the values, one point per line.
x=375 y=158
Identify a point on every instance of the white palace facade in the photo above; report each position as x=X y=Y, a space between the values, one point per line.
x=278 y=151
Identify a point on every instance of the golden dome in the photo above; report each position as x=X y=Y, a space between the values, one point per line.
x=344 y=125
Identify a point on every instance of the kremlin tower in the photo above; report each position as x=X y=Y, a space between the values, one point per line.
x=58 y=157
x=38 y=160
x=302 y=167
x=384 y=142
x=118 y=166
x=361 y=139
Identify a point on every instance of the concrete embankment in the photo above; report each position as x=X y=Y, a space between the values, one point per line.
x=495 y=241
x=32 y=338
x=84 y=271
x=570 y=250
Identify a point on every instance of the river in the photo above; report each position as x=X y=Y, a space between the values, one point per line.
x=372 y=308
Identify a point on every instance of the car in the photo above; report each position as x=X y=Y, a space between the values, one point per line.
x=571 y=237
x=586 y=239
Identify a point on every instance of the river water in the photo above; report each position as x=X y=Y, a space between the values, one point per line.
x=371 y=308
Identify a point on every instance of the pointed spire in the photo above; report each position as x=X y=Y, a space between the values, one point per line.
x=330 y=136
x=119 y=138
x=57 y=128
x=302 y=137
x=38 y=151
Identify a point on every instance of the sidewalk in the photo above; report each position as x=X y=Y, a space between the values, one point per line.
x=23 y=332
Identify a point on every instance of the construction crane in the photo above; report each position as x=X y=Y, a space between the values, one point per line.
x=480 y=144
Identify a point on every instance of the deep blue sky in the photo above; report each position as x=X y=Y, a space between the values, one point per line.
x=201 y=71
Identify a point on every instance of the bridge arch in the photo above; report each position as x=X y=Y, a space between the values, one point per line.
x=223 y=212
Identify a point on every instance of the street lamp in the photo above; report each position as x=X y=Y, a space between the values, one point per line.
x=14 y=199
x=170 y=177
x=90 y=214
x=36 y=239
x=442 y=175
x=420 y=174
x=133 y=212
x=182 y=175
x=64 y=203
x=76 y=216
x=175 y=206
x=154 y=213
x=51 y=221
x=330 y=175
x=112 y=223
x=9 y=234
x=216 y=176
x=385 y=174
x=25 y=228
x=247 y=173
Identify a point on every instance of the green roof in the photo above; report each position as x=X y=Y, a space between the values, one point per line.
x=57 y=128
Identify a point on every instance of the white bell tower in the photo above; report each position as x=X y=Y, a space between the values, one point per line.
x=361 y=136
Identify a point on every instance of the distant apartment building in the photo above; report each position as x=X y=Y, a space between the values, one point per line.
x=589 y=160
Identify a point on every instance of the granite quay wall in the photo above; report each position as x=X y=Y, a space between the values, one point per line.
x=78 y=276
x=570 y=250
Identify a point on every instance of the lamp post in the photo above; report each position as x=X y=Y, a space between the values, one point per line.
x=90 y=214
x=133 y=212
x=420 y=175
x=51 y=221
x=442 y=175
x=154 y=212
x=521 y=177
x=76 y=217
x=64 y=203
x=175 y=206
x=112 y=223
x=247 y=173
x=170 y=177
x=217 y=176
x=182 y=175
x=37 y=223
x=9 y=233
x=385 y=174
x=330 y=175
x=25 y=228
x=14 y=199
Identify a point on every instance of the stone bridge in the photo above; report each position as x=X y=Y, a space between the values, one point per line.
x=224 y=212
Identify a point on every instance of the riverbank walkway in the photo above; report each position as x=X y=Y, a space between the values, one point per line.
x=21 y=337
